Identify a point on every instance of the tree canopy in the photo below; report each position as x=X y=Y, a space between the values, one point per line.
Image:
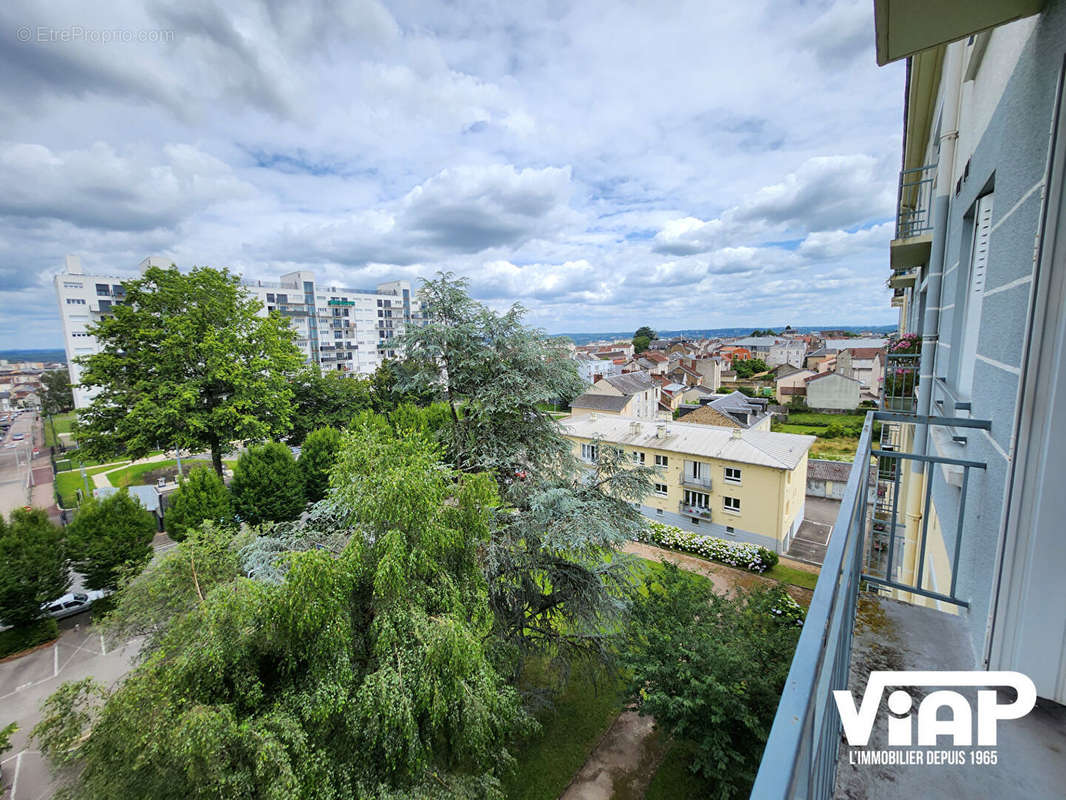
x=645 y=332
x=317 y=457
x=746 y=367
x=200 y=496
x=710 y=668
x=57 y=396
x=34 y=558
x=346 y=672
x=266 y=486
x=493 y=372
x=110 y=538
x=185 y=362
x=326 y=400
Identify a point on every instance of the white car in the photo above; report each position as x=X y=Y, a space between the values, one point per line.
x=72 y=603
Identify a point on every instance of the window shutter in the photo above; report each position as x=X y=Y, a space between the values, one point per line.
x=982 y=232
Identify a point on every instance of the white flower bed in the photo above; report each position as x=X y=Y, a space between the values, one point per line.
x=735 y=554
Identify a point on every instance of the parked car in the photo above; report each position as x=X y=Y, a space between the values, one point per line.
x=72 y=603
x=18 y=437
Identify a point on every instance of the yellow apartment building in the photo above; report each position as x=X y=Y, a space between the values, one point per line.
x=748 y=485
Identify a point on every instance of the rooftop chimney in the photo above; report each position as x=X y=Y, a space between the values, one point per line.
x=661 y=430
x=738 y=433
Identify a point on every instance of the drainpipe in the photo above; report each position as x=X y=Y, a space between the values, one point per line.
x=951 y=81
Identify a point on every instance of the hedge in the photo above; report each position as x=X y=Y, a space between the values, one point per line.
x=15 y=640
x=736 y=554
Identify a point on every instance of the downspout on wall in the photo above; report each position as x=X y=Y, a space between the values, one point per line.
x=951 y=82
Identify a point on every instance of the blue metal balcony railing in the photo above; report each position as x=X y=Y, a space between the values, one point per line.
x=901 y=382
x=864 y=551
x=914 y=201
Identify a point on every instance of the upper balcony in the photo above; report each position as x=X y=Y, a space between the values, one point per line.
x=888 y=598
x=914 y=218
x=900 y=388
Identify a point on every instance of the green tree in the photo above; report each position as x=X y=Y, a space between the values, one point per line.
x=496 y=371
x=34 y=558
x=644 y=332
x=555 y=580
x=201 y=496
x=745 y=368
x=111 y=538
x=266 y=486
x=357 y=671
x=185 y=362
x=640 y=344
x=710 y=668
x=327 y=400
x=317 y=457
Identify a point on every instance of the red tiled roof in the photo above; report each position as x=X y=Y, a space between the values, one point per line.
x=864 y=353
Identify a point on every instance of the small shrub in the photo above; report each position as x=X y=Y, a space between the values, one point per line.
x=736 y=554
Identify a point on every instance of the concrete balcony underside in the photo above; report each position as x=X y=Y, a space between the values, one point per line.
x=892 y=635
x=912 y=251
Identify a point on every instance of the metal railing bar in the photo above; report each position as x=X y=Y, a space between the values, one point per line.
x=957 y=462
x=958 y=529
x=925 y=532
x=895 y=508
x=916 y=590
x=958 y=422
x=778 y=768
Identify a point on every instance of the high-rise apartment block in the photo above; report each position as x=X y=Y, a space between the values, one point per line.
x=343 y=329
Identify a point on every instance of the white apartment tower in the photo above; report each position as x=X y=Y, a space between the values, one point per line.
x=347 y=330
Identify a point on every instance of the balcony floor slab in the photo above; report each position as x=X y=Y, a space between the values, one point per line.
x=1031 y=752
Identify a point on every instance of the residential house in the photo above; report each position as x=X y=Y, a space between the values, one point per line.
x=733 y=410
x=658 y=362
x=635 y=394
x=728 y=352
x=709 y=369
x=820 y=360
x=787 y=351
x=831 y=391
x=866 y=364
x=747 y=485
x=791 y=382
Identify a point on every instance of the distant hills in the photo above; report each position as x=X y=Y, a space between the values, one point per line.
x=709 y=333
x=33 y=355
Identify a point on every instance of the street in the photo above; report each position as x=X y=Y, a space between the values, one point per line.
x=15 y=462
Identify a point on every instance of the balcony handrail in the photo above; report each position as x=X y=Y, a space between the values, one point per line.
x=800 y=757
x=914 y=201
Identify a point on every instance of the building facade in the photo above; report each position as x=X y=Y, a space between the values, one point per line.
x=347 y=330
x=737 y=484
x=832 y=391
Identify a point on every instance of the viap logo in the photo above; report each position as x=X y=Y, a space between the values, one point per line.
x=859 y=721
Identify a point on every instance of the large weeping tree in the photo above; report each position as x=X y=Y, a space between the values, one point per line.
x=556 y=581
x=187 y=362
x=353 y=663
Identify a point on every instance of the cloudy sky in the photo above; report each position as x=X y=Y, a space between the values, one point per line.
x=605 y=164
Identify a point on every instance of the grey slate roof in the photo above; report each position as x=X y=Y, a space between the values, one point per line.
x=148 y=495
x=600 y=402
x=631 y=382
x=763 y=448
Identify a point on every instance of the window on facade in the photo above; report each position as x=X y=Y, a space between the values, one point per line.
x=71 y=285
x=589 y=452
x=638 y=458
x=659 y=512
x=694 y=520
x=975 y=290
x=729 y=529
x=698 y=499
x=662 y=461
x=731 y=503
x=696 y=469
x=103 y=290
x=661 y=489
x=75 y=301
x=732 y=474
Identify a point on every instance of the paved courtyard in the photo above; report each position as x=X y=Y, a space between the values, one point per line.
x=812 y=538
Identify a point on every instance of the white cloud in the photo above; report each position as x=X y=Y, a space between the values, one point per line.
x=607 y=165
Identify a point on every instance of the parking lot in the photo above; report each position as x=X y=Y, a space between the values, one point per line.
x=28 y=680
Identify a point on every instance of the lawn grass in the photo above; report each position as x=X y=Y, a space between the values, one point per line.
x=840 y=449
x=63 y=422
x=822 y=419
x=674 y=779
x=573 y=726
x=796 y=577
x=132 y=475
x=569 y=732
x=67 y=484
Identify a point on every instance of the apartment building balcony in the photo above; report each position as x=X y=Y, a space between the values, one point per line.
x=914 y=218
x=899 y=392
x=690 y=510
x=871 y=613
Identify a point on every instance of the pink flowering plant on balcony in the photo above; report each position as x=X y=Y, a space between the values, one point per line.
x=908 y=343
x=743 y=555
